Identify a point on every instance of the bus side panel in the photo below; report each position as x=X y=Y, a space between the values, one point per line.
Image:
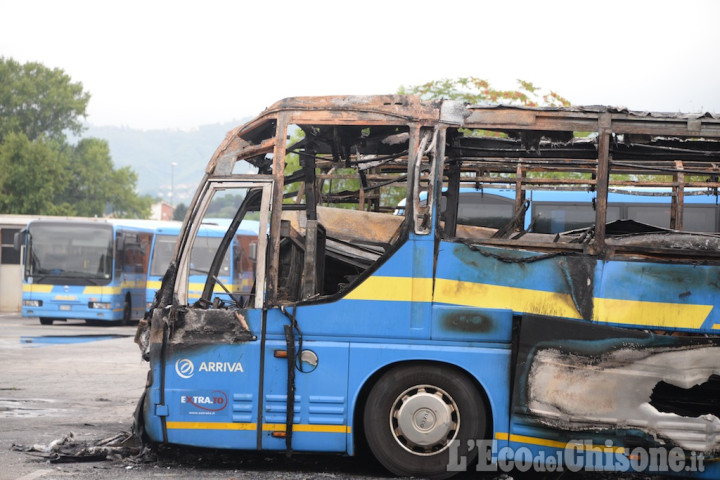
x=656 y=295
x=320 y=413
x=489 y=367
x=134 y=286
x=392 y=302
x=211 y=381
x=495 y=279
x=614 y=387
x=635 y=294
x=211 y=395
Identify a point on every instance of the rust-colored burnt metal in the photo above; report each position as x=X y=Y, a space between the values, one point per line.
x=352 y=150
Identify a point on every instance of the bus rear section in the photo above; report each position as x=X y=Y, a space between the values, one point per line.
x=236 y=274
x=442 y=344
x=89 y=270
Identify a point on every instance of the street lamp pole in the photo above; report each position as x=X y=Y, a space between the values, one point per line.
x=172 y=183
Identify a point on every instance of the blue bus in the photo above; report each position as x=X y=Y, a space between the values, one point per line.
x=94 y=270
x=439 y=344
x=555 y=211
x=236 y=274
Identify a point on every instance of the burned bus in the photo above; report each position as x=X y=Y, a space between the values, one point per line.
x=444 y=345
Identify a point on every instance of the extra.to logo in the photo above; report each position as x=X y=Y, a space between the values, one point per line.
x=184 y=367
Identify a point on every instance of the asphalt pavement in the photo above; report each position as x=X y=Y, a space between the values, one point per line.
x=78 y=382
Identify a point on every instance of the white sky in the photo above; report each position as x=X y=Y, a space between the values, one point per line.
x=180 y=64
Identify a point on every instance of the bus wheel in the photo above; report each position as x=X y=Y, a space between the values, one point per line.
x=46 y=321
x=415 y=415
x=127 y=311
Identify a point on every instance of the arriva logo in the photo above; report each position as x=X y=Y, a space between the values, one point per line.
x=219 y=367
x=184 y=368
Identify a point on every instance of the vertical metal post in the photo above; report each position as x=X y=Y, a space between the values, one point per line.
x=172 y=186
x=276 y=207
x=453 y=199
x=413 y=193
x=519 y=192
x=677 y=202
x=310 y=281
x=603 y=179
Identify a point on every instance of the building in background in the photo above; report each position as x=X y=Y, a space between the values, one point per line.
x=162 y=211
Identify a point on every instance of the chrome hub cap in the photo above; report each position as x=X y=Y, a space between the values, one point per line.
x=424 y=419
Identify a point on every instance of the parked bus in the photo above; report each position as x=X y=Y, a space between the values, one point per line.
x=555 y=211
x=236 y=272
x=438 y=343
x=93 y=270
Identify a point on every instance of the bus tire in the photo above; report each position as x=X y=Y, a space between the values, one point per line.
x=46 y=321
x=413 y=415
x=127 y=311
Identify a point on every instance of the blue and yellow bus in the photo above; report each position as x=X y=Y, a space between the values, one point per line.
x=440 y=344
x=554 y=211
x=94 y=270
x=236 y=272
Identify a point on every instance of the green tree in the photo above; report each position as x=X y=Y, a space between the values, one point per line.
x=42 y=173
x=476 y=90
x=39 y=101
x=180 y=211
x=33 y=175
x=95 y=186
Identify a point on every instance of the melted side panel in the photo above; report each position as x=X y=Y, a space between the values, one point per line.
x=573 y=376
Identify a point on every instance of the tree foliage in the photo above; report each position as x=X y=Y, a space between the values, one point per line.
x=180 y=211
x=32 y=178
x=39 y=101
x=476 y=90
x=42 y=173
x=95 y=186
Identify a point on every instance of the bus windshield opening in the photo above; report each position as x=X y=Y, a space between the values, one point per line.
x=83 y=253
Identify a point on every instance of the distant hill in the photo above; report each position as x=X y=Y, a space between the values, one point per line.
x=151 y=154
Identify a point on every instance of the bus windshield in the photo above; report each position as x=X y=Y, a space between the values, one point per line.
x=203 y=252
x=84 y=252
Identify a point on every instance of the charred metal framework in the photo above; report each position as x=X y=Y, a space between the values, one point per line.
x=358 y=204
x=376 y=143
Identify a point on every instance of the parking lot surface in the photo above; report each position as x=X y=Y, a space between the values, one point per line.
x=73 y=379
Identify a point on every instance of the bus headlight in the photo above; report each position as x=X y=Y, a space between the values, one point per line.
x=100 y=305
x=32 y=303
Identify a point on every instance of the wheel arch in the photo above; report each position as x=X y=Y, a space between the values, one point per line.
x=359 y=440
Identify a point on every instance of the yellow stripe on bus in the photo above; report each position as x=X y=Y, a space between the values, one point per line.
x=650 y=314
x=395 y=289
x=280 y=427
x=210 y=426
x=543 y=442
x=35 y=288
x=505 y=298
x=539 y=302
x=267 y=427
x=94 y=290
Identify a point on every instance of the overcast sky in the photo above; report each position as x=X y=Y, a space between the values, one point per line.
x=180 y=64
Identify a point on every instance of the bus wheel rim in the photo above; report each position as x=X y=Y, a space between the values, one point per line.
x=424 y=420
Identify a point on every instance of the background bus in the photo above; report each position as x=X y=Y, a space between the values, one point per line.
x=237 y=269
x=555 y=211
x=90 y=270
